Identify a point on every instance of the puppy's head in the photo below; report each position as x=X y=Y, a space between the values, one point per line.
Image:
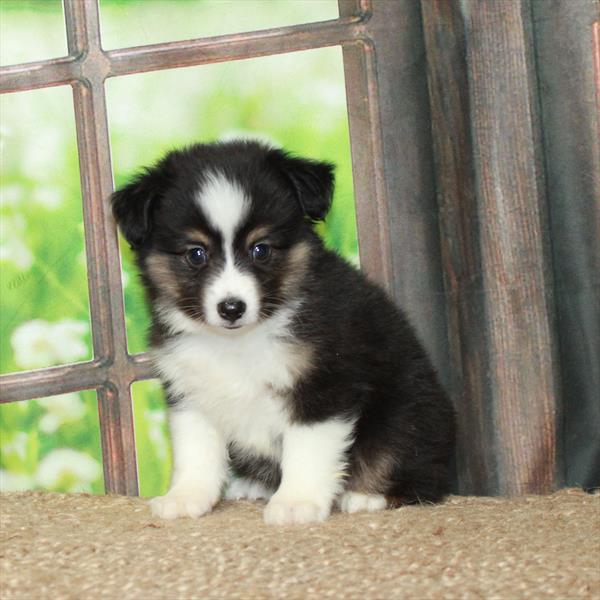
x=223 y=232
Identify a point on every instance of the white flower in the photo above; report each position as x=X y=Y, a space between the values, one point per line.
x=39 y=343
x=12 y=233
x=14 y=482
x=48 y=197
x=18 y=445
x=68 y=468
x=67 y=335
x=11 y=195
x=60 y=409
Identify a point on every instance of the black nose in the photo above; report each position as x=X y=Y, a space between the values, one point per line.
x=231 y=309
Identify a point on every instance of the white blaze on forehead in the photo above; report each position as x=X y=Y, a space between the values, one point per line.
x=224 y=204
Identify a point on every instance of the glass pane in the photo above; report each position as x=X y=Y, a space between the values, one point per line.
x=151 y=438
x=294 y=100
x=43 y=286
x=51 y=444
x=138 y=22
x=31 y=30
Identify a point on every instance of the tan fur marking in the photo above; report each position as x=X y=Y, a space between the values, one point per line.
x=297 y=265
x=161 y=272
x=372 y=478
x=303 y=362
x=199 y=235
x=257 y=234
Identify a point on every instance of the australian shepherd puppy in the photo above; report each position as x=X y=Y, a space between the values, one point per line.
x=288 y=375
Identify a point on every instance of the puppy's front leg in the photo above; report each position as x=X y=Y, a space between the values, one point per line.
x=199 y=466
x=312 y=465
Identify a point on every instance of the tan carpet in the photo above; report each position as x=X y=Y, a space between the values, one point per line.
x=78 y=546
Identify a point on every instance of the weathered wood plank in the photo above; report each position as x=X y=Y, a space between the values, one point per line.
x=495 y=243
x=395 y=29
x=370 y=192
x=571 y=134
x=469 y=385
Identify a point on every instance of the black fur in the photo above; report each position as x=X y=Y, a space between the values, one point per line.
x=370 y=366
x=373 y=364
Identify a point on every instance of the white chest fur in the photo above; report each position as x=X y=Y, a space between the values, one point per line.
x=236 y=381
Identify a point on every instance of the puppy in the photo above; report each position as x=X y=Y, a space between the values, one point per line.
x=288 y=375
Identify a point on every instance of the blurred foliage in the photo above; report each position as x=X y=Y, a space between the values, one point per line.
x=295 y=100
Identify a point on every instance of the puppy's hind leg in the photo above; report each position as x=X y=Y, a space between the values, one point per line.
x=352 y=502
x=241 y=488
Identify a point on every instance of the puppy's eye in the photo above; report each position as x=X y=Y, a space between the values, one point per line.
x=261 y=253
x=197 y=256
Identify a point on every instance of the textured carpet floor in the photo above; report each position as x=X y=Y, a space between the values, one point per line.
x=84 y=547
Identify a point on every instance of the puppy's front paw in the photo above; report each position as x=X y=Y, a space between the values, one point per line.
x=183 y=503
x=281 y=511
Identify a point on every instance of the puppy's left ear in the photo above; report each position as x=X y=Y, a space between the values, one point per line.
x=313 y=182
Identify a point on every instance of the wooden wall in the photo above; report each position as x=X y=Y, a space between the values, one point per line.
x=489 y=118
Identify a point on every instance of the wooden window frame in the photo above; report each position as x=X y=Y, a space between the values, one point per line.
x=86 y=68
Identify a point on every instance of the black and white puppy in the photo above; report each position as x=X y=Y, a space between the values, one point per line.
x=288 y=375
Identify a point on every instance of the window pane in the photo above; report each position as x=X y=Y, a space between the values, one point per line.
x=51 y=444
x=135 y=22
x=31 y=30
x=151 y=438
x=43 y=285
x=294 y=100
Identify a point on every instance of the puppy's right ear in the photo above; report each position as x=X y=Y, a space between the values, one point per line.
x=133 y=204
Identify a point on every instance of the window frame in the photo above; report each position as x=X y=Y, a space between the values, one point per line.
x=86 y=68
